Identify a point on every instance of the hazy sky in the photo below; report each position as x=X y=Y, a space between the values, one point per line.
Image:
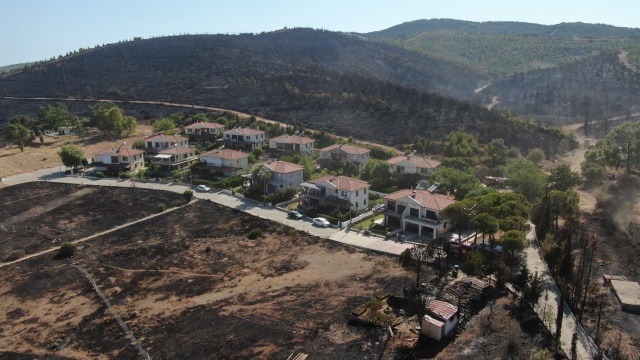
x=40 y=29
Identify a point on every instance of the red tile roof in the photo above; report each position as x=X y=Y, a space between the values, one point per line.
x=176 y=150
x=122 y=151
x=344 y=183
x=226 y=154
x=419 y=161
x=423 y=198
x=442 y=309
x=200 y=125
x=282 y=167
x=164 y=138
x=294 y=139
x=349 y=149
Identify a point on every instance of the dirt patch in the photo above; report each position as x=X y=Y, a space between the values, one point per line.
x=192 y=284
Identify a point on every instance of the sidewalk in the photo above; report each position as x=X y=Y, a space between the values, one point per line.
x=586 y=349
x=252 y=207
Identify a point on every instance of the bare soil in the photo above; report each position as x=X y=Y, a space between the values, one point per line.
x=189 y=284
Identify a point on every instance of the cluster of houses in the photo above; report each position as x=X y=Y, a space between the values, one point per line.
x=411 y=210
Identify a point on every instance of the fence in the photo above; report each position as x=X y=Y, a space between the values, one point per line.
x=113 y=312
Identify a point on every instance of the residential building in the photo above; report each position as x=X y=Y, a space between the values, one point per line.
x=122 y=159
x=290 y=144
x=243 y=139
x=412 y=164
x=283 y=175
x=336 y=191
x=222 y=163
x=416 y=211
x=200 y=132
x=331 y=156
x=175 y=158
x=441 y=320
x=157 y=142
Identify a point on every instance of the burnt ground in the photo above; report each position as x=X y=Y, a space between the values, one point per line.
x=63 y=212
x=189 y=284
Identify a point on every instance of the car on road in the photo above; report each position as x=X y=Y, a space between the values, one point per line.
x=322 y=222
x=294 y=215
x=203 y=188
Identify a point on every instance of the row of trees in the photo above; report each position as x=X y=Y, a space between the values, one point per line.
x=106 y=117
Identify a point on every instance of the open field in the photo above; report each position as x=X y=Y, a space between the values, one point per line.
x=189 y=284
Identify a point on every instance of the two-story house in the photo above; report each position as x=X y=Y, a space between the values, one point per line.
x=416 y=211
x=244 y=139
x=412 y=164
x=340 y=192
x=122 y=159
x=441 y=320
x=175 y=158
x=283 y=175
x=157 y=142
x=222 y=163
x=290 y=144
x=200 y=132
x=331 y=156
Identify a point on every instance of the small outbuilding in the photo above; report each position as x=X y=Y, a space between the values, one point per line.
x=441 y=320
x=628 y=293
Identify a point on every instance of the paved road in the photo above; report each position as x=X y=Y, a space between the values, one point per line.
x=353 y=238
x=535 y=263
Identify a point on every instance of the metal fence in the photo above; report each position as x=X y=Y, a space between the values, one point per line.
x=113 y=312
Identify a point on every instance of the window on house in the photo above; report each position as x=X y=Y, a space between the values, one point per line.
x=365 y=202
x=424 y=170
x=365 y=190
x=356 y=204
x=124 y=158
x=336 y=191
x=357 y=192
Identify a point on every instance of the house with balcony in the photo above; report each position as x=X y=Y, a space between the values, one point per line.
x=199 y=132
x=413 y=164
x=416 y=211
x=441 y=320
x=222 y=163
x=283 y=175
x=331 y=156
x=175 y=158
x=340 y=192
x=290 y=144
x=243 y=139
x=117 y=160
x=157 y=142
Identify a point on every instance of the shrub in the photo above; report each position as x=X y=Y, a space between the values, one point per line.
x=255 y=233
x=15 y=255
x=67 y=249
x=125 y=176
x=188 y=195
x=99 y=174
x=162 y=207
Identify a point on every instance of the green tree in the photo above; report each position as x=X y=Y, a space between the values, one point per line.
x=138 y=144
x=497 y=152
x=562 y=178
x=260 y=176
x=71 y=155
x=67 y=249
x=525 y=178
x=458 y=163
x=52 y=117
x=521 y=279
x=164 y=125
x=456 y=182
x=377 y=173
x=532 y=292
x=473 y=263
x=111 y=120
x=536 y=155
x=486 y=224
x=188 y=195
x=513 y=223
x=19 y=134
x=461 y=144
x=513 y=242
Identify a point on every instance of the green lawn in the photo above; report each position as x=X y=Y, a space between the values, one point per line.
x=366 y=223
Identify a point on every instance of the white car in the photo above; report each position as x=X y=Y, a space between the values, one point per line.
x=322 y=222
x=203 y=188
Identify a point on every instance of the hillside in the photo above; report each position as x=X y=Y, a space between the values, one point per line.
x=504 y=48
x=324 y=80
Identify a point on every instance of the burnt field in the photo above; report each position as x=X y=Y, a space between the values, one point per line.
x=189 y=284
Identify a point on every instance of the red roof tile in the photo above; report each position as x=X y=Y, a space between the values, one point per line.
x=246 y=131
x=294 y=139
x=442 y=309
x=344 y=183
x=165 y=138
x=227 y=154
x=419 y=161
x=122 y=151
x=176 y=150
x=423 y=198
x=349 y=149
x=282 y=167
x=200 y=125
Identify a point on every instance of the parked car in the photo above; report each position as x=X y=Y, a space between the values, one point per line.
x=203 y=188
x=295 y=215
x=485 y=247
x=322 y=222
